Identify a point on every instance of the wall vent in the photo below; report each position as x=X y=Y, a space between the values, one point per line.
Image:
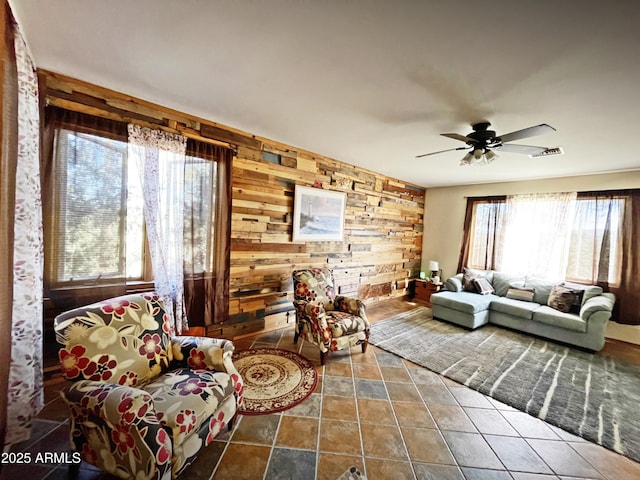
x=549 y=151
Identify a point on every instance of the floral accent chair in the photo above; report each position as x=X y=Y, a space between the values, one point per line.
x=332 y=322
x=143 y=403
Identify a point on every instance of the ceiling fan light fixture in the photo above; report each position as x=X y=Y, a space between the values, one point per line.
x=490 y=156
x=477 y=153
x=466 y=160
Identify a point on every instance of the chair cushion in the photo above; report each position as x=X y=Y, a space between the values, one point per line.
x=342 y=323
x=184 y=399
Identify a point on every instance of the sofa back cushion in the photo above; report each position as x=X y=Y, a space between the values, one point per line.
x=503 y=281
x=541 y=287
x=123 y=340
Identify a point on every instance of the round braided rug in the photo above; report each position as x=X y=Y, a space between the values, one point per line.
x=274 y=379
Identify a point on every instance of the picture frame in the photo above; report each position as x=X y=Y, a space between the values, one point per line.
x=318 y=214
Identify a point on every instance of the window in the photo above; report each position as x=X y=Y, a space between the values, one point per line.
x=594 y=239
x=98 y=223
x=98 y=226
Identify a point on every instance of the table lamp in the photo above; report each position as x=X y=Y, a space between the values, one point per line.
x=435 y=270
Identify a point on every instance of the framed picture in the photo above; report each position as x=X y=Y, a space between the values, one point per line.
x=318 y=215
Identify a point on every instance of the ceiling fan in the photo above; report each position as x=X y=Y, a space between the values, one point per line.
x=482 y=141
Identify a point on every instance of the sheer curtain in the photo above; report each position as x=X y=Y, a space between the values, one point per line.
x=25 y=392
x=160 y=159
x=537 y=234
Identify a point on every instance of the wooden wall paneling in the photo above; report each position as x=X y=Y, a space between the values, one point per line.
x=383 y=227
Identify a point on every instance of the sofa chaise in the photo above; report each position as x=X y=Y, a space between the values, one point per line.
x=568 y=313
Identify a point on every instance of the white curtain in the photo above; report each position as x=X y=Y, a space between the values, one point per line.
x=537 y=234
x=25 y=392
x=160 y=160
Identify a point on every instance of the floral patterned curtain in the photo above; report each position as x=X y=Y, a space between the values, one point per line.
x=25 y=396
x=160 y=159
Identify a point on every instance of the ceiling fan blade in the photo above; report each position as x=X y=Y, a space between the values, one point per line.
x=524 y=149
x=440 y=151
x=457 y=136
x=527 y=132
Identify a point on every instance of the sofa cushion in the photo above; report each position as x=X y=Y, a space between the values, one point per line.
x=502 y=282
x=517 y=308
x=466 y=302
x=521 y=293
x=550 y=316
x=542 y=289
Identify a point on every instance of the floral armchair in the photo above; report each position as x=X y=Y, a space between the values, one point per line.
x=142 y=403
x=328 y=321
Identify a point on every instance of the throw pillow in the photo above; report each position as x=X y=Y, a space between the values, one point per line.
x=469 y=275
x=561 y=298
x=578 y=295
x=483 y=287
x=521 y=293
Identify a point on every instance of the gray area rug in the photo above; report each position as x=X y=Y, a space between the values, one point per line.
x=592 y=396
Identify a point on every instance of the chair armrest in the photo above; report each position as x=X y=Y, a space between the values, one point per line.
x=209 y=354
x=316 y=315
x=353 y=306
x=203 y=352
x=113 y=403
x=121 y=422
x=599 y=303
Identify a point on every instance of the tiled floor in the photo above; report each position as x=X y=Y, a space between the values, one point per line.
x=390 y=418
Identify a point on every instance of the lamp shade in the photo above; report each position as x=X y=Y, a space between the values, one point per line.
x=433 y=266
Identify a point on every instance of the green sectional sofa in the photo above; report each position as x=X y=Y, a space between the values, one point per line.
x=583 y=325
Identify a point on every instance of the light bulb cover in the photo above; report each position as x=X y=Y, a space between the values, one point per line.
x=490 y=156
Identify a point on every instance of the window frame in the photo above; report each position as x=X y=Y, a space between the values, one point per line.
x=466 y=253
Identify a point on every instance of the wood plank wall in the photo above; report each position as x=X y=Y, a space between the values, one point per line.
x=383 y=225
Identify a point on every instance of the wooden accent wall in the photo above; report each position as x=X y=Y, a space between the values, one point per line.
x=383 y=226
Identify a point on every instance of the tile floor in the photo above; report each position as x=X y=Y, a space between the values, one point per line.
x=390 y=418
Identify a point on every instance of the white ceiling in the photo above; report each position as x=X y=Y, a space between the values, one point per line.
x=371 y=82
